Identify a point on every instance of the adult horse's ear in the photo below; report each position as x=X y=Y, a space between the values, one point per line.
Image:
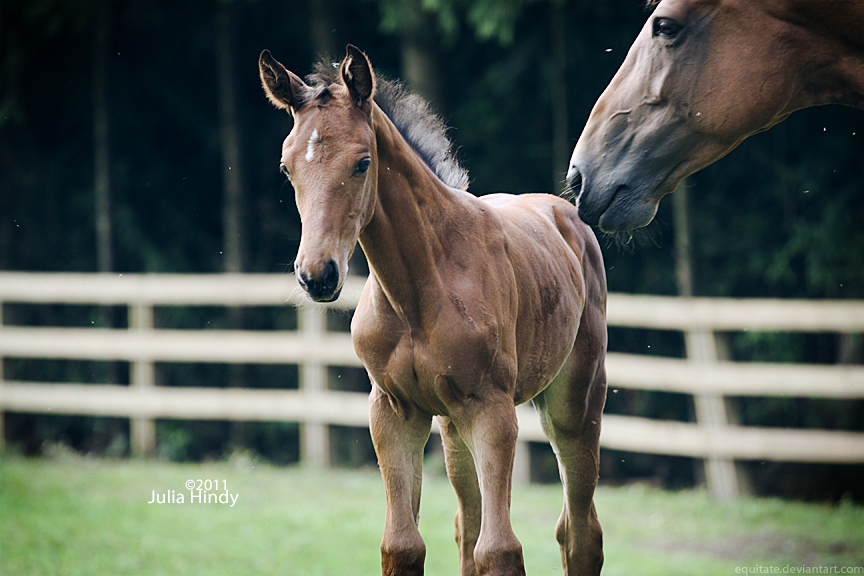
x=357 y=74
x=284 y=88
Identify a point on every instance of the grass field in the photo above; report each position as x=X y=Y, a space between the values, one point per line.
x=70 y=516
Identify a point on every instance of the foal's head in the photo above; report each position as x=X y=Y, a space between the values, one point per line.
x=331 y=159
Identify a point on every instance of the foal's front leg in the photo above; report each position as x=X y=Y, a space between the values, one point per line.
x=490 y=433
x=399 y=433
x=463 y=477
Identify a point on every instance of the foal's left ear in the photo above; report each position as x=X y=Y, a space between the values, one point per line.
x=357 y=75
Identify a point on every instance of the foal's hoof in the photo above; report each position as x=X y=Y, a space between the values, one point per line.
x=500 y=563
x=403 y=561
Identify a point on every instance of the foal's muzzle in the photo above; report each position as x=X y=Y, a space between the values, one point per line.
x=324 y=288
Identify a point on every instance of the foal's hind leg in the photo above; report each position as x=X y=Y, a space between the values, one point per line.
x=399 y=433
x=570 y=410
x=463 y=477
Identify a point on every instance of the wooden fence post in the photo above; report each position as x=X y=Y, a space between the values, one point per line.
x=314 y=435
x=2 y=378
x=142 y=431
x=522 y=463
x=720 y=473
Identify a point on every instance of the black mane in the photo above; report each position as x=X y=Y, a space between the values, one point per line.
x=410 y=113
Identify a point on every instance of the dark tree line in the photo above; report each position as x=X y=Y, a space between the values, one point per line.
x=135 y=137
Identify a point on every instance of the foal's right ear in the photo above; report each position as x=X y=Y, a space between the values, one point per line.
x=357 y=75
x=284 y=88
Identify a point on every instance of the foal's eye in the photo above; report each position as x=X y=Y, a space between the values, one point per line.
x=362 y=166
x=284 y=170
x=666 y=28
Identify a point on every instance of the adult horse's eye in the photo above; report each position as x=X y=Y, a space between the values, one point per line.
x=284 y=170
x=666 y=28
x=362 y=166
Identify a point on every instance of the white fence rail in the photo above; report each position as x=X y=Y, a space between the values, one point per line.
x=705 y=376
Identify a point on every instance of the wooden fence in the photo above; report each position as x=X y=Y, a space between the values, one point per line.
x=705 y=376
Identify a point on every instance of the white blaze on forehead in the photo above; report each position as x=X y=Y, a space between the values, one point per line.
x=310 y=145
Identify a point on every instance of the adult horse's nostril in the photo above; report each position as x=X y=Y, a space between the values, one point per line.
x=574 y=182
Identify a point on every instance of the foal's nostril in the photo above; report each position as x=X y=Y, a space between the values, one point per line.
x=330 y=275
x=301 y=278
x=324 y=287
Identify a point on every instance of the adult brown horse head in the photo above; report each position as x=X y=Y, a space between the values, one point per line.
x=334 y=179
x=702 y=76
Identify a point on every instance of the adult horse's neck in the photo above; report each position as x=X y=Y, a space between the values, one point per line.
x=404 y=240
x=835 y=48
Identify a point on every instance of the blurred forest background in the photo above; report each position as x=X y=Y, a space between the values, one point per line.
x=135 y=137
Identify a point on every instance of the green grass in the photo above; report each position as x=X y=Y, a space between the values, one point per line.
x=74 y=516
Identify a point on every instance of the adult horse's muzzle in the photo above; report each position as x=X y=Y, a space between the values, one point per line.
x=613 y=206
x=324 y=287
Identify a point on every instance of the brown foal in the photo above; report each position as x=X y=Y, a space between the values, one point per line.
x=473 y=306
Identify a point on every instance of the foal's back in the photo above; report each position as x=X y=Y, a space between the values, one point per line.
x=558 y=271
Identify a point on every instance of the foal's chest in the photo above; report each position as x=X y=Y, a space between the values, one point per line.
x=431 y=368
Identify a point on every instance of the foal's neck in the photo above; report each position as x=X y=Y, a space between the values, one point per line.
x=406 y=239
